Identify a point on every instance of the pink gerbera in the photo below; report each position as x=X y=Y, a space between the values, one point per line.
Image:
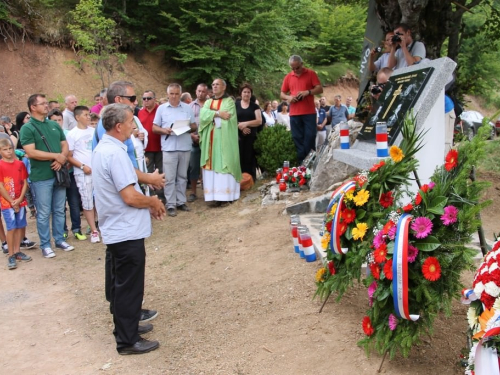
x=378 y=240
x=371 y=290
x=393 y=322
x=422 y=227
x=412 y=253
x=392 y=232
x=450 y=215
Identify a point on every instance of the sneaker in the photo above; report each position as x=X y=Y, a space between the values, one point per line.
x=23 y=257
x=27 y=244
x=5 y=248
x=89 y=231
x=48 y=253
x=11 y=262
x=147 y=315
x=65 y=246
x=94 y=238
x=79 y=236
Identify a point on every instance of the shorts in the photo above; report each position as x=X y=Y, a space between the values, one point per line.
x=14 y=220
x=84 y=183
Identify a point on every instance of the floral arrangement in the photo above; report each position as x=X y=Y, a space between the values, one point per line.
x=483 y=315
x=295 y=176
x=418 y=255
x=414 y=244
x=356 y=207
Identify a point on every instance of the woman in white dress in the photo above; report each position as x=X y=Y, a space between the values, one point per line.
x=283 y=117
x=268 y=114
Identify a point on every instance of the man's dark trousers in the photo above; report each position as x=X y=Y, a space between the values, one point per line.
x=128 y=262
x=304 y=131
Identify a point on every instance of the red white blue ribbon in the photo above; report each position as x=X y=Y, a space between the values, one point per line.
x=400 y=270
x=338 y=197
x=468 y=296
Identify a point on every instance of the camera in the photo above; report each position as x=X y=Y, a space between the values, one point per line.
x=378 y=49
x=396 y=38
x=376 y=89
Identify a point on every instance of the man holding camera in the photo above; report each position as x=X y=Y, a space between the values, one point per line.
x=404 y=50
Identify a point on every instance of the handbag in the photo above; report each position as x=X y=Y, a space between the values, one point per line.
x=62 y=175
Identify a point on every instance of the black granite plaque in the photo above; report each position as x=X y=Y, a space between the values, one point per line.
x=398 y=97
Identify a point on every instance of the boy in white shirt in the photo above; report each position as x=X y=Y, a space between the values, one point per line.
x=80 y=156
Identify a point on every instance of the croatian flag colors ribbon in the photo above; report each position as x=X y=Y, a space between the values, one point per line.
x=486 y=359
x=337 y=197
x=468 y=296
x=400 y=270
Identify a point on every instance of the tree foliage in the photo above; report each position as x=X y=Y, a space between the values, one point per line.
x=96 y=38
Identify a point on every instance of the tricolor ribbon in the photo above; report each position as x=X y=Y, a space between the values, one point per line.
x=338 y=197
x=400 y=270
x=486 y=359
x=468 y=296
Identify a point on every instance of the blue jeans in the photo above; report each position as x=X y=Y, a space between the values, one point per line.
x=50 y=199
x=304 y=131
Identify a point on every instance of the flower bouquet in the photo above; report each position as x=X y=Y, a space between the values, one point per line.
x=483 y=316
x=357 y=206
x=297 y=177
x=418 y=254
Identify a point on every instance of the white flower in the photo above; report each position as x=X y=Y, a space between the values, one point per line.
x=472 y=317
x=478 y=289
x=496 y=305
x=296 y=174
x=492 y=289
x=483 y=270
x=493 y=267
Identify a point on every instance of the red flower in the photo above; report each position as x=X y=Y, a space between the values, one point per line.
x=388 y=269
x=302 y=182
x=285 y=176
x=387 y=227
x=408 y=207
x=342 y=228
x=418 y=199
x=331 y=268
x=386 y=199
x=367 y=326
x=329 y=227
x=294 y=179
x=380 y=254
x=375 y=270
x=425 y=188
x=431 y=269
x=487 y=300
x=375 y=167
x=360 y=179
x=451 y=160
x=496 y=246
x=348 y=215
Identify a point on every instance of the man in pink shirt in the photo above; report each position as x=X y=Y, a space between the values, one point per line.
x=299 y=88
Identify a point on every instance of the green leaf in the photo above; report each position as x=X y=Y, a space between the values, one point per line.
x=436 y=205
x=429 y=243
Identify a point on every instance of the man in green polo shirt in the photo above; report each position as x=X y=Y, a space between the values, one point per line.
x=49 y=197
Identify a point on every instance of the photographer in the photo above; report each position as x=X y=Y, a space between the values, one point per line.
x=404 y=50
x=383 y=60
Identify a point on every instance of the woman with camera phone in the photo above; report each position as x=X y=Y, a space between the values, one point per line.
x=383 y=59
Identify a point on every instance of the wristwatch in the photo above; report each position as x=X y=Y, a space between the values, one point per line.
x=217 y=113
x=81 y=167
x=309 y=92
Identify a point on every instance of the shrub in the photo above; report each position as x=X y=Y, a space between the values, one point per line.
x=275 y=145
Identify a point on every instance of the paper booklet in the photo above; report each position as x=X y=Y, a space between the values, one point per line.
x=181 y=126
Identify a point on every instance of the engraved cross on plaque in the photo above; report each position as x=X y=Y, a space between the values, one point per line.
x=394 y=96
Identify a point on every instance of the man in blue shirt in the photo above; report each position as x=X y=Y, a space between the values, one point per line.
x=119 y=202
x=338 y=112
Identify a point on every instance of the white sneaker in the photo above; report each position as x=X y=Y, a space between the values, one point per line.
x=94 y=237
x=48 y=253
x=65 y=246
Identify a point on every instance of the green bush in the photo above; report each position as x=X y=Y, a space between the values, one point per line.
x=275 y=145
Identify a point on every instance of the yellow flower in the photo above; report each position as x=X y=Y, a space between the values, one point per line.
x=362 y=197
x=320 y=274
x=334 y=208
x=359 y=232
x=349 y=195
x=325 y=240
x=396 y=154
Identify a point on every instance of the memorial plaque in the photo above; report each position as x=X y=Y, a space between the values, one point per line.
x=398 y=97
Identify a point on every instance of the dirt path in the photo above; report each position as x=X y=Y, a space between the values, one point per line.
x=233 y=299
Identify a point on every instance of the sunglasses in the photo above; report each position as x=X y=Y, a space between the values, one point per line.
x=147 y=98
x=130 y=98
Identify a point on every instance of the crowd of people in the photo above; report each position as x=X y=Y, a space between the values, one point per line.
x=116 y=163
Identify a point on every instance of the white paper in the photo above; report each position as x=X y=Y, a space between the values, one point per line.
x=217 y=121
x=181 y=127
